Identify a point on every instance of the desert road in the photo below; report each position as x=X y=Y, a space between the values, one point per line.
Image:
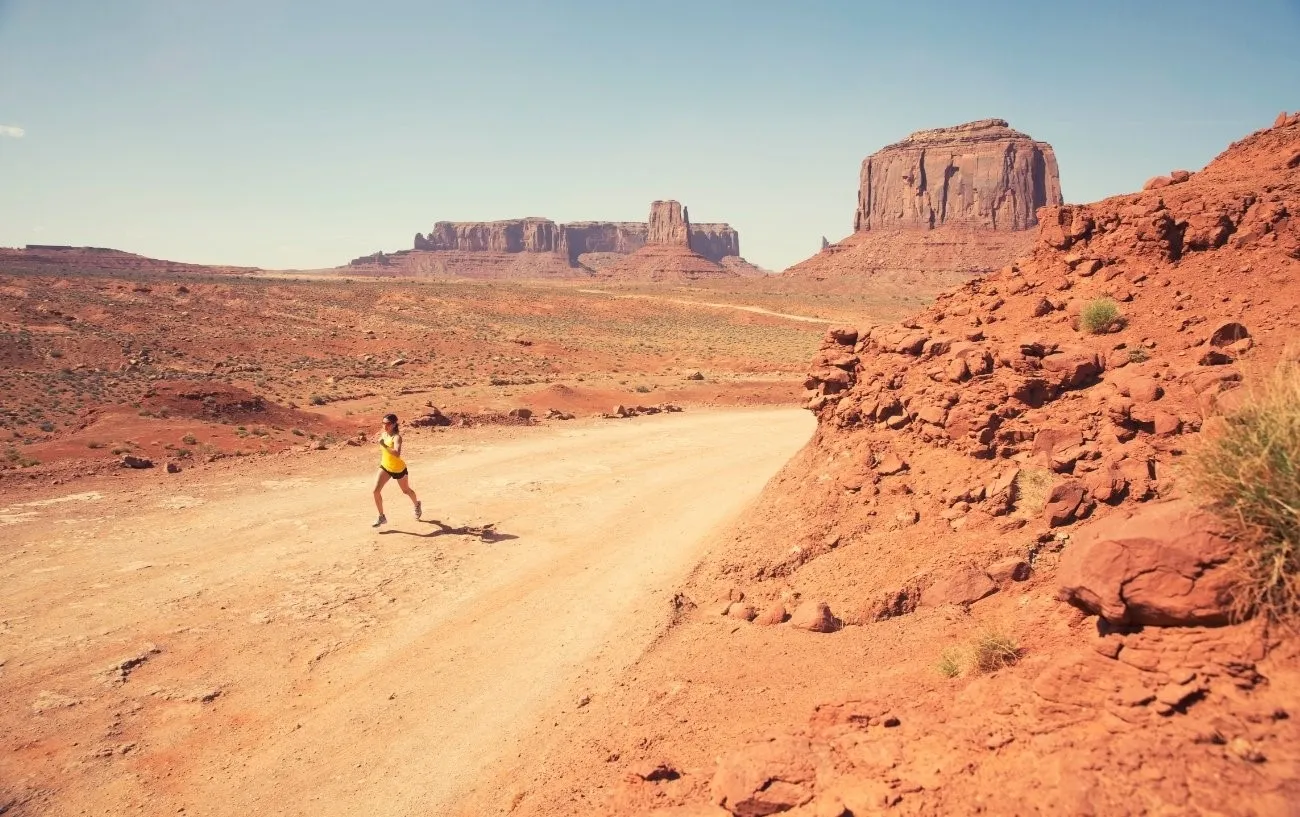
x=239 y=640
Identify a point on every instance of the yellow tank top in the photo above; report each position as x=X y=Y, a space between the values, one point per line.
x=387 y=459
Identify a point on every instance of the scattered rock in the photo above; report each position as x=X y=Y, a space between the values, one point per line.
x=963 y=586
x=890 y=464
x=1064 y=503
x=1010 y=569
x=765 y=778
x=740 y=610
x=772 y=615
x=1228 y=333
x=814 y=616
x=133 y=461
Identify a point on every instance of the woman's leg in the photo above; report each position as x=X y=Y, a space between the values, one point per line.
x=405 y=484
x=384 y=476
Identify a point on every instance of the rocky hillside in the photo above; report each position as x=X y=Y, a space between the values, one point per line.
x=995 y=515
x=66 y=260
x=943 y=204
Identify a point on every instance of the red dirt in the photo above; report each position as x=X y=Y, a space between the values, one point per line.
x=959 y=454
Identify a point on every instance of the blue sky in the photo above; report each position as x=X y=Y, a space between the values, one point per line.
x=285 y=133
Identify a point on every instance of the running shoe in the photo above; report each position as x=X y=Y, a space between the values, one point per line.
x=382 y=520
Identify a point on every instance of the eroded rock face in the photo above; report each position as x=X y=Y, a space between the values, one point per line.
x=981 y=174
x=1161 y=565
x=668 y=225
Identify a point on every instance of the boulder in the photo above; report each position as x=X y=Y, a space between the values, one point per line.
x=1163 y=564
x=1013 y=569
x=1225 y=334
x=966 y=585
x=1064 y=502
x=814 y=616
x=765 y=778
x=1073 y=366
x=889 y=464
x=772 y=615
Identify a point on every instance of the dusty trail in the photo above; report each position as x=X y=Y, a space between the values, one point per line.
x=757 y=310
x=308 y=664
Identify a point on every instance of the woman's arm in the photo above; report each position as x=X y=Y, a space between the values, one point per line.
x=397 y=445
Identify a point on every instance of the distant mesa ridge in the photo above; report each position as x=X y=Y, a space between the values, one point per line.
x=713 y=241
x=540 y=247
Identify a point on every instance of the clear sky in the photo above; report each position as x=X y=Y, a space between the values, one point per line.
x=287 y=133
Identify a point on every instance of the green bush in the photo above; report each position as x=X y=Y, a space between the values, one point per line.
x=1098 y=316
x=1248 y=471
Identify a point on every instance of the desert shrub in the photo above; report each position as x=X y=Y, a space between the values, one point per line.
x=317 y=400
x=1098 y=316
x=94 y=445
x=189 y=439
x=47 y=426
x=993 y=650
x=1138 y=354
x=643 y=389
x=949 y=665
x=1248 y=472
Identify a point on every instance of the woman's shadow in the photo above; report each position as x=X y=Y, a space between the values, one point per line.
x=487 y=533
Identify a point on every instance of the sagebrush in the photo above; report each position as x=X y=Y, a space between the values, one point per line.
x=1099 y=316
x=1248 y=471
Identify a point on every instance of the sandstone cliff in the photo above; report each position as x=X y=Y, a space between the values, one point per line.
x=943 y=205
x=981 y=174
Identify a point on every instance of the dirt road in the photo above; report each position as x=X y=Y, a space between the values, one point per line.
x=239 y=642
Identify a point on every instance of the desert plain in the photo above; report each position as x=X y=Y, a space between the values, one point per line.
x=912 y=527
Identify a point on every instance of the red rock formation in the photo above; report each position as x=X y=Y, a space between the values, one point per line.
x=943 y=205
x=667 y=255
x=981 y=174
x=668 y=225
x=468 y=248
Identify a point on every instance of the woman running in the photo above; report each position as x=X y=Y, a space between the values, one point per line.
x=392 y=466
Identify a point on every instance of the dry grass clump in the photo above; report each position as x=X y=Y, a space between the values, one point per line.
x=1249 y=473
x=950 y=662
x=1099 y=316
x=991 y=649
x=1029 y=491
x=994 y=650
